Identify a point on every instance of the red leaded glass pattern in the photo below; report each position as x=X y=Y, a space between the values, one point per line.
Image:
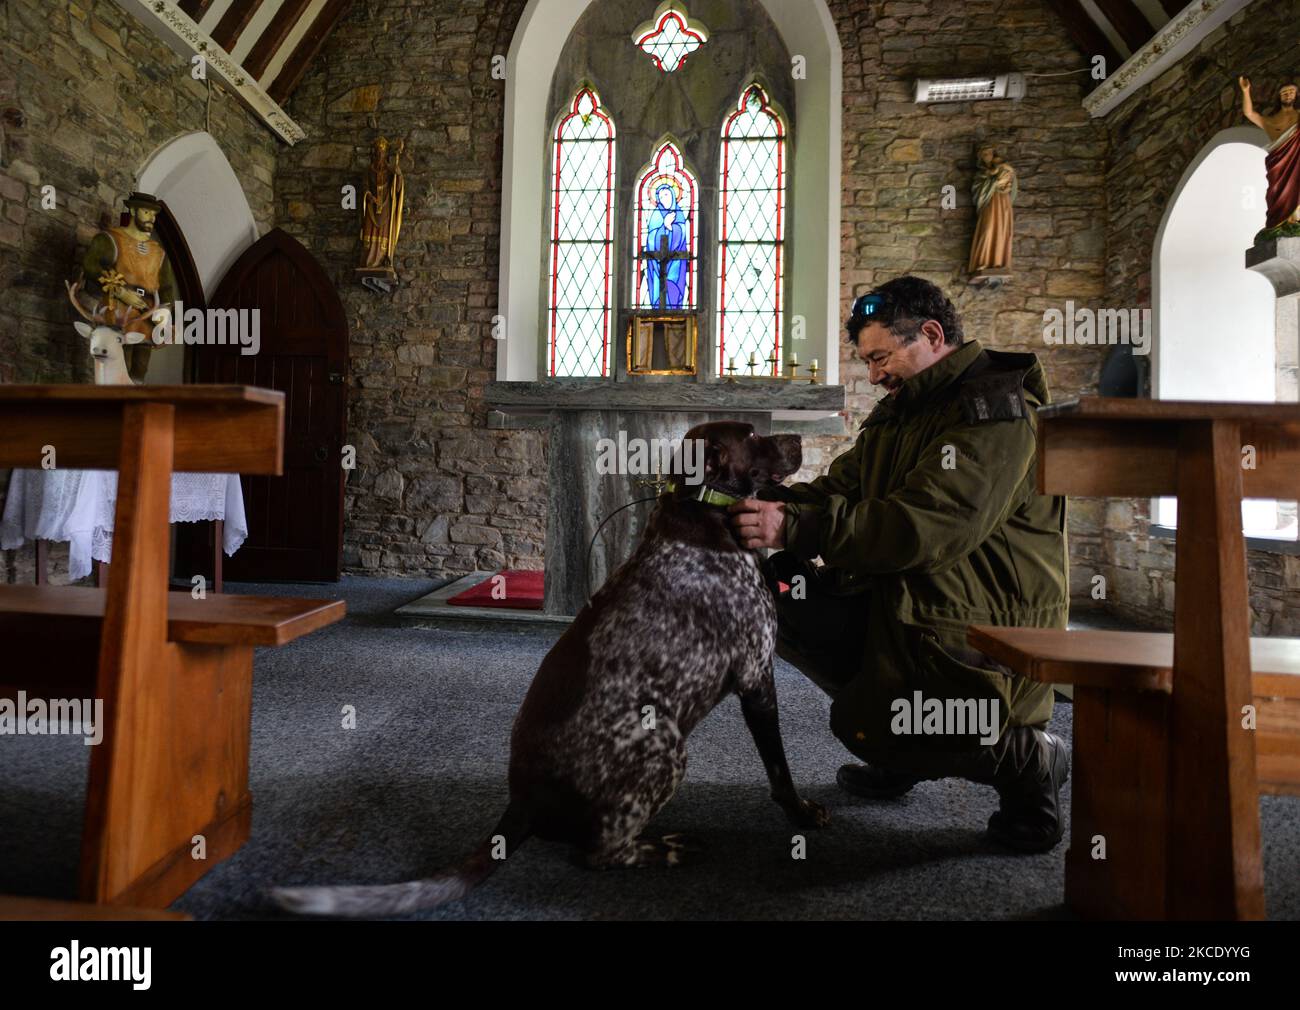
x=664 y=255
x=751 y=241
x=581 y=239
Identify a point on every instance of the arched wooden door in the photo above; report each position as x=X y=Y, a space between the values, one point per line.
x=295 y=521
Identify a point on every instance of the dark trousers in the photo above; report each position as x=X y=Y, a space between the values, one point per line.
x=822 y=634
x=864 y=660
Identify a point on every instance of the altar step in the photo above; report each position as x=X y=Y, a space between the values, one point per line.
x=435 y=611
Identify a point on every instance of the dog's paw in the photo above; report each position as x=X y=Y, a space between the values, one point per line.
x=809 y=814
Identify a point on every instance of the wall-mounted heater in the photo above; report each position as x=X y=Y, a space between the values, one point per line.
x=970 y=89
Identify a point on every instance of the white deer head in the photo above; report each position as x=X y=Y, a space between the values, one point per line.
x=108 y=337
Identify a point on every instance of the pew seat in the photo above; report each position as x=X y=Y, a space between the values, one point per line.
x=218 y=619
x=1122 y=830
x=1136 y=661
x=18 y=909
x=169 y=678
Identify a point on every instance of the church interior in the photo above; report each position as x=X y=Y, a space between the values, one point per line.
x=343 y=344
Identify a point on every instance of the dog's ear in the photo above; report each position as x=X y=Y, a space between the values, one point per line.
x=716 y=458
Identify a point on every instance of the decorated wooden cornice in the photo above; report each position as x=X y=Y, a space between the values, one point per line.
x=1179 y=35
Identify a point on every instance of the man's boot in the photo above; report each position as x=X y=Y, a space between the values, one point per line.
x=1034 y=765
x=873 y=782
x=1026 y=766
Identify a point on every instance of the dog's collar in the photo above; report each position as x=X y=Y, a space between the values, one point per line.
x=706 y=494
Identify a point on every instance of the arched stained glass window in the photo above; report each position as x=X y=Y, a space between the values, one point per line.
x=664 y=258
x=751 y=239
x=581 y=239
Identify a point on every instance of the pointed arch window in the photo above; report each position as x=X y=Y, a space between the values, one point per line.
x=582 y=228
x=751 y=231
x=664 y=257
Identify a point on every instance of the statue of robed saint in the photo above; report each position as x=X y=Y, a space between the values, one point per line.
x=381 y=215
x=994 y=190
x=1282 y=160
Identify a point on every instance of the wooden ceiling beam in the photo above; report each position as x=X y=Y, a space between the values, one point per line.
x=1131 y=23
x=233 y=23
x=310 y=44
x=1085 y=34
x=1173 y=7
x=272 y=38
x=195 y=9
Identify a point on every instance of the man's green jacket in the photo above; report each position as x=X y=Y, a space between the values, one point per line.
x=933 y=516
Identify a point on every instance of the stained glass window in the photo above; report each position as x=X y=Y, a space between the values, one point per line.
x=751 y=241
x=670 y=36
x=664 y=257
x=581 y=239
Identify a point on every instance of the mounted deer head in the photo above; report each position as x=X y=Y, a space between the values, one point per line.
x=108 y=334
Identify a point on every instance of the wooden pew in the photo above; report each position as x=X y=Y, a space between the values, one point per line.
x=174 y=673
x=14 y=909
x=1191 y=799
x=1123 y=682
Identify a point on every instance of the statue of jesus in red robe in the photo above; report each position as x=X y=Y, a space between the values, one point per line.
x=1283 y=159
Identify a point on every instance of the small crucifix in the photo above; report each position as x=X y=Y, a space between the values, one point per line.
x=663 y=257
x=663 y=342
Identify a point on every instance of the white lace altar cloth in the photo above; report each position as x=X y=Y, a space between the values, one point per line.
x=77 y=506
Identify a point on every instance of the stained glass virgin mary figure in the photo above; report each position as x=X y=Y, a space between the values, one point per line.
x=666 y=233
x=664 y=250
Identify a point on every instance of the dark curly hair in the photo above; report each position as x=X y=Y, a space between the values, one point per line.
x=903 y=305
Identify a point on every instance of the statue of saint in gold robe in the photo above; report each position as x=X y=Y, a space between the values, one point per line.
x=381 y=219
x=994 y=190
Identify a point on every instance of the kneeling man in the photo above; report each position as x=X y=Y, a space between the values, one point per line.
x=930 y=523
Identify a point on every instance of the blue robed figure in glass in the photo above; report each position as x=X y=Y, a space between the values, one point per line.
x=665 y=278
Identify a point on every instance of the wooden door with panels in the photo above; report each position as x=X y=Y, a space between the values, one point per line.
x=295 y=521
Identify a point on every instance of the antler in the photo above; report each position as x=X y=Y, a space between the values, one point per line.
x=133 y=315
x=96 y=317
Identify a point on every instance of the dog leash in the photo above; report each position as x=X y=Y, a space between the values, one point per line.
x=591 y=546
x=706 y=494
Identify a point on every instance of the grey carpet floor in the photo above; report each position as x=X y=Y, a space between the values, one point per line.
x=421 y=780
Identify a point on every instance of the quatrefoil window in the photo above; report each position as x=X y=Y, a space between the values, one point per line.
x=670 y=36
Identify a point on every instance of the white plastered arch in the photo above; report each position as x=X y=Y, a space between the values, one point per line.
x=1165 y=284
x=191 y=174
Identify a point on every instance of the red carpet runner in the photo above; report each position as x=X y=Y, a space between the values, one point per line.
x=512 y=589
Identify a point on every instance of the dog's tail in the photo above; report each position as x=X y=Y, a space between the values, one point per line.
x=414 y=895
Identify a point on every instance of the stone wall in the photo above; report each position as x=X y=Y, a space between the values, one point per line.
x=1155 y=134
x=898 y=156
x=435 y=490
x=86 y=95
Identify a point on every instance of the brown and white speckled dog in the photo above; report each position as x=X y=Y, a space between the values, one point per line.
x=686 y=620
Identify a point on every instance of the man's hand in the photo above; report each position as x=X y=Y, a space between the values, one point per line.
x=758 y=523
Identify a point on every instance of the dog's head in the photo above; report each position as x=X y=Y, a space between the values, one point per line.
x=739 y=461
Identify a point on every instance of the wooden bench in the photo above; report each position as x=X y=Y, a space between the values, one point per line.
x=13 y=909
x=1123 y=682
x=1161 y=754
x=174 y=673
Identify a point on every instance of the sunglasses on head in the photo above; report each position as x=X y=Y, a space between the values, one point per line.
x=866 y=306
